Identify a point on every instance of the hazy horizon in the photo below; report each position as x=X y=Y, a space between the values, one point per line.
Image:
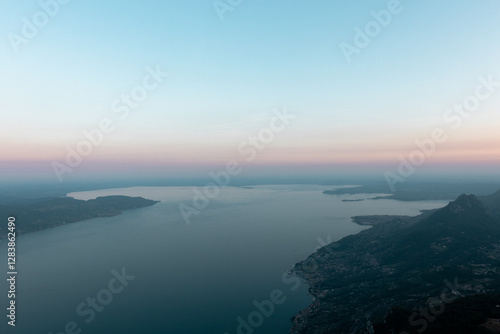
x=190 y=86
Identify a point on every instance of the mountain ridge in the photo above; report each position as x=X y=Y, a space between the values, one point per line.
x=356 y=281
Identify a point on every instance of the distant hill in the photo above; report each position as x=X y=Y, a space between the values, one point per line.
x=402 y=263
x=419 y=191
x=53 y=212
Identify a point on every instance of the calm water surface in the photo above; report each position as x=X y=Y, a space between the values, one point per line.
x=189 y=278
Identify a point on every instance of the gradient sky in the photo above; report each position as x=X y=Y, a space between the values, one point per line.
x=227 y=76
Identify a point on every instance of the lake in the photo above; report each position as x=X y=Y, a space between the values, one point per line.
x=147 y=271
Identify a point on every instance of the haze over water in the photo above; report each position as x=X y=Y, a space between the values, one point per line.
x=189 y=278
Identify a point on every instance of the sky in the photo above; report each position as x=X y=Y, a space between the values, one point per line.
x=209 y=75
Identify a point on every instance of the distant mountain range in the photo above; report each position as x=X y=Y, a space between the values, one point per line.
x=59 y=211
x=400 y=275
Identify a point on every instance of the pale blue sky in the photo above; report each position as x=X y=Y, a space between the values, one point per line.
x=263 y=55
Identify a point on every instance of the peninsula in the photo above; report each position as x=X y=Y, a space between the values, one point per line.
x=53 y=212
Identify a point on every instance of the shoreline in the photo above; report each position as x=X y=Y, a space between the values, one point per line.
x=55 y=212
